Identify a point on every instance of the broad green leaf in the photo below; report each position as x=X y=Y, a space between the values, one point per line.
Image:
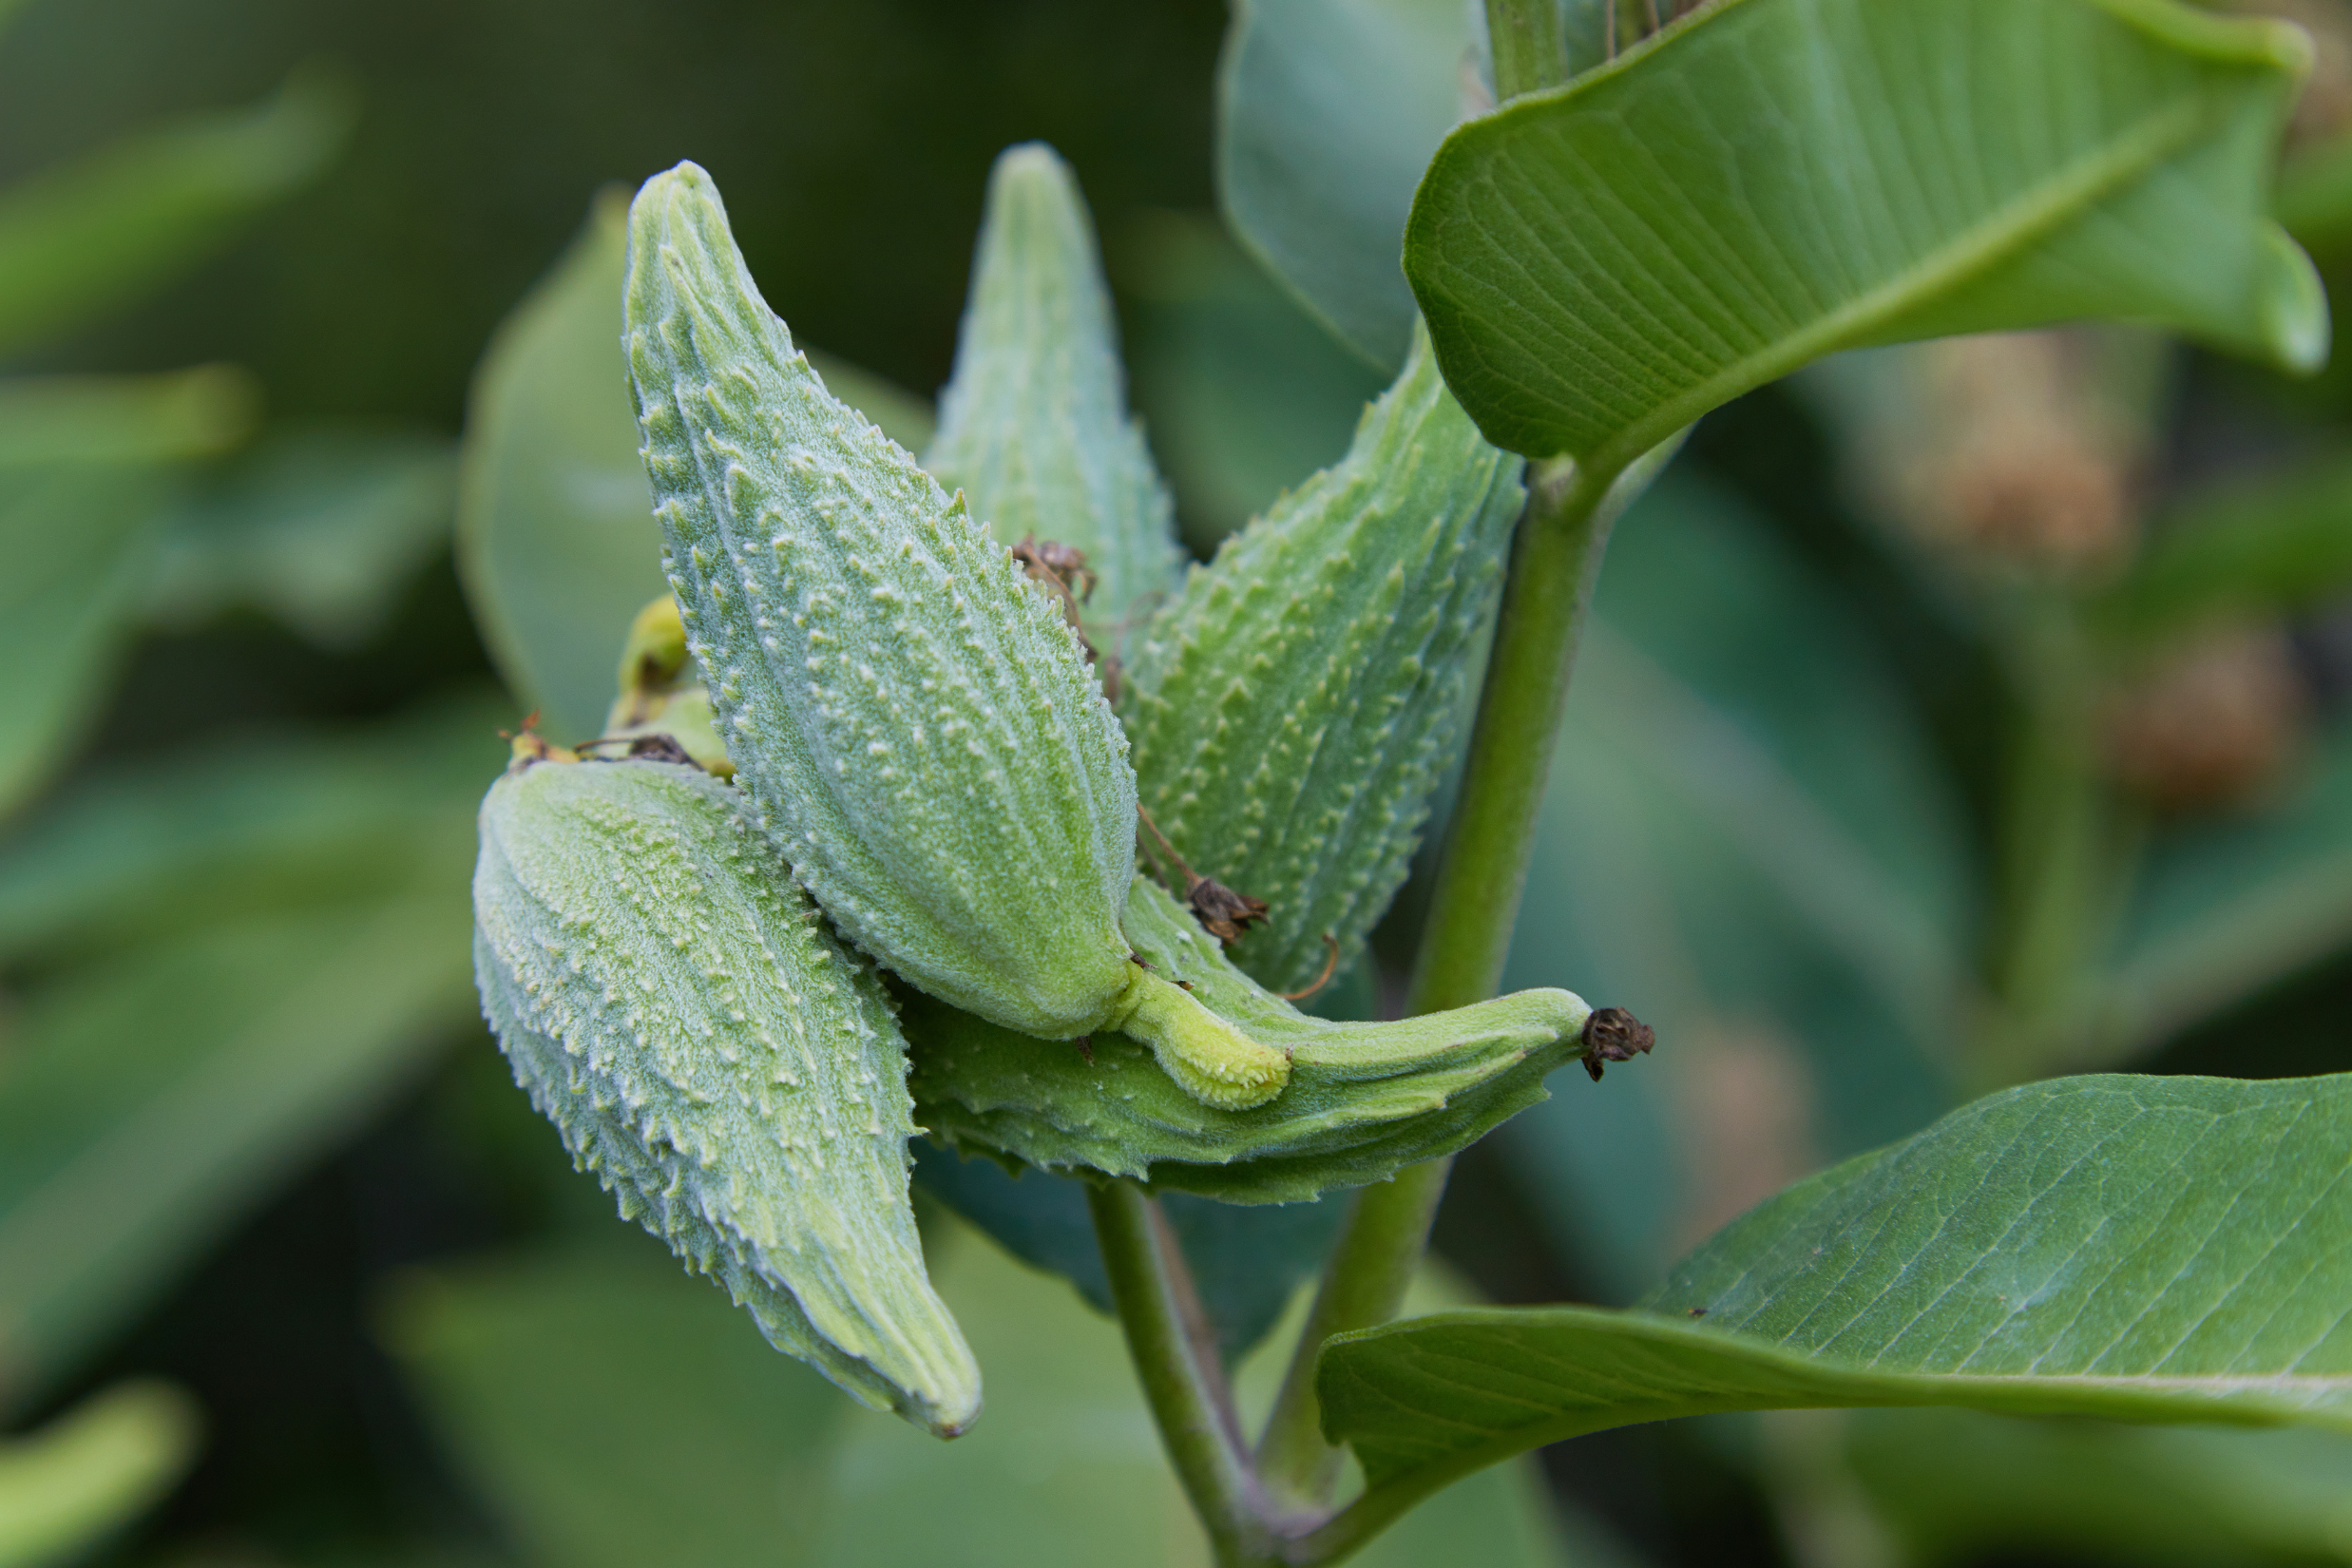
x=556 y=540
x=93 y=1470
x=83 y=238
x=613 y=1412
x=182 y=844
x=1244 y=396
x=1327 y=111
x=1957 y=1486
x=2246 y=550
x=146 y=1101
x=2225 y=907
x=325 y=528
x=1769 y=181
x=2155 y=1250
x=1746 y=840
x=1034 y=426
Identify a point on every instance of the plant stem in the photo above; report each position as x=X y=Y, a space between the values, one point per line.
x=1530 y=51
x=1481 y=871
x=1176 y=1360
x=1363 y=1284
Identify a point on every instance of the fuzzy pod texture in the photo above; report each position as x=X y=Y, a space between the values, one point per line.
x=672 y=1003
x=1034 y=425
x=1363 y=1100
x=1293 y=710
x=914 y=717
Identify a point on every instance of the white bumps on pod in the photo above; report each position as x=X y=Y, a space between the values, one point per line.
x=912 y=717
x=673 y=1004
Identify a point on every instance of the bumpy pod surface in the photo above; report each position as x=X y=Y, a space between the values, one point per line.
x=1292 y=710
x=1363 y=1100
x=671 y=1002
x=911 y=714
x=1034 y=424
x=914 y=717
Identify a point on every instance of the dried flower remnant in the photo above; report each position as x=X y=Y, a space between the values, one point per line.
x=1222 y=912
x=1612 y=1034
x=2208 y=726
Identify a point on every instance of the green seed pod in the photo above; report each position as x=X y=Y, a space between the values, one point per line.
x=1365 y=1099
x=912 y=717
x=661 y=692
x=1293 y=710
x=673 y=1005
x=1034 y=425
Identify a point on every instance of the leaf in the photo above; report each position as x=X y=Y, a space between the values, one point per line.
x=323 y=527
x=1769 y=181
x=93 y=1470
x=2225 y=907
x=81 y=484
x=267 y=823
x=1244 y=395
x=1957 y=1486
x=1034 y=425
x=2315 y=194
x=556 y=541
x=85 y=236
x=2155 y=1250
x=146 y=1101
x=2244 y=550
x=1327 y=111
x=613 y=1412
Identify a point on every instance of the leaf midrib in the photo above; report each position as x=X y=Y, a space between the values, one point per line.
x=2009 y=229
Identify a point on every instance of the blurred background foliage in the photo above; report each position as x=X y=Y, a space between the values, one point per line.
x=1953 y=716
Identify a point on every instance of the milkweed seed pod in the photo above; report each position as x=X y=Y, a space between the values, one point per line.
x=1365 y=1099
x=912 y=717
x=673 y=1004
x=1034 y=425
x=1293 y=710
x=661 y=695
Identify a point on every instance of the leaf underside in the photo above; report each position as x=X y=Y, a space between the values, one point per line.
x=2142 y=1249
x=1769 y=181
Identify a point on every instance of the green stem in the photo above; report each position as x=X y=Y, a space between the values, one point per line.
x=1481 y=871
x=1363 y=1284
x=1175 y=1361
x=1530 y=51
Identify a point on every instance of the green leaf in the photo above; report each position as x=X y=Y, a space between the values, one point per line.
x=2224 y=908
x=613 y=1412
x=83 y=238
x=1327 y=111
x=1034 y=425
x=1956 y=1486
x=1771 y=181
x=81 y=484
x=2246 y=550
x=2156 y=1249
x=324 y=529
x=91 y=1471
x=2315 y=194
x=556 y=544
x=264 y=824
x=1244 y=395
x=147 y=1101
